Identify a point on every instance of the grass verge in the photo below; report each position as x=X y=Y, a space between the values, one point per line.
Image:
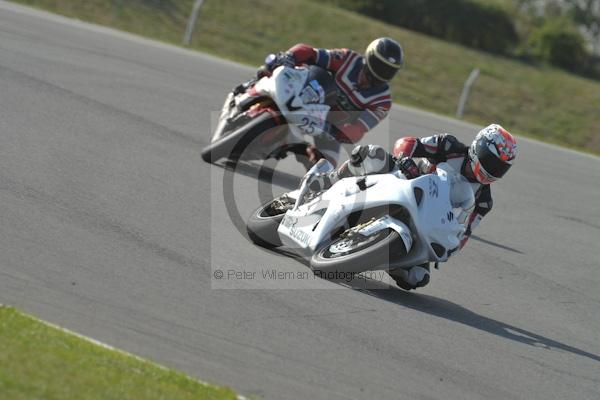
x=541 y=102
x=39 y=361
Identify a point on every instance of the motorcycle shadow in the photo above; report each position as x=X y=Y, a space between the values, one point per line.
x=445 y=309
x=495 y=244
x=453 y=312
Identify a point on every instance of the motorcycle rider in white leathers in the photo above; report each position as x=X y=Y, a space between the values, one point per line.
x=487 y=159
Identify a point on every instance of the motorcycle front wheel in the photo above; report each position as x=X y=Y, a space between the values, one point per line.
x=263 y=223
x=232 y=145
x=358 y=253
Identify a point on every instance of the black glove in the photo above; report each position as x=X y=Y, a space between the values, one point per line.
x=409 y=168
x=275 y=60
x=284 y=58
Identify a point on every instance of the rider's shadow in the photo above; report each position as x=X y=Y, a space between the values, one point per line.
x=445 y=309
x=448 y=310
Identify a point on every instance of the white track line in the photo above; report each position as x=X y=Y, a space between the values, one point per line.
x=109 y=347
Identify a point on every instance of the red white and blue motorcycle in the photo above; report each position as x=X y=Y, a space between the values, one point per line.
x=273 y=115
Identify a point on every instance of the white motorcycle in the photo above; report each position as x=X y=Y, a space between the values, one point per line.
x=273 y=115
x=369 y=222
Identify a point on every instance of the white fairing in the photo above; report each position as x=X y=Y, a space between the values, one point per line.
x=445 y=200
x=287 y=87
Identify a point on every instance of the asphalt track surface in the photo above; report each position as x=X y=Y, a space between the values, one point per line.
x=112 y=226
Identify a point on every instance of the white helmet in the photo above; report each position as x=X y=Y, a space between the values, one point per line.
x=492 y=153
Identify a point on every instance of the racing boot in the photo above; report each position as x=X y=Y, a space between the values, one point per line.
x=413 y=277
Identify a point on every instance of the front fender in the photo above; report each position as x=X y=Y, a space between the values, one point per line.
x=387 y=222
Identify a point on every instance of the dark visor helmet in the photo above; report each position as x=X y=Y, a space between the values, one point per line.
x=384 y=57
x=492 y=153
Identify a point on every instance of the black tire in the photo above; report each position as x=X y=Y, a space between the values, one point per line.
x=233 y=145
x=262 y=226
x=374 y=251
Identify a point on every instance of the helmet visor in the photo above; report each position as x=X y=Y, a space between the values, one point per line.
x=380 y=69
x=490 y=161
